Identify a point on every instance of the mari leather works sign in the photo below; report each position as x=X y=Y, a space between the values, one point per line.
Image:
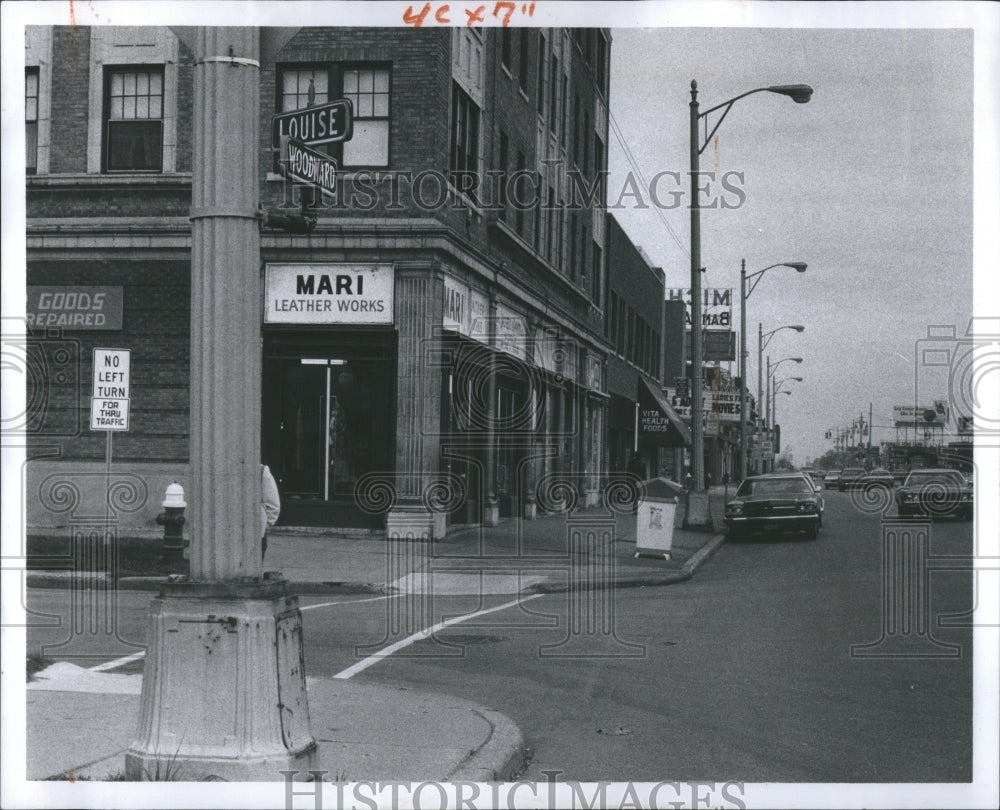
x=338 y=293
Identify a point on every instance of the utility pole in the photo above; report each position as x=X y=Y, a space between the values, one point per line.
x=223 y=691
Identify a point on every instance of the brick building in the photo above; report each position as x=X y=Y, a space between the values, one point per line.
x=433 y=329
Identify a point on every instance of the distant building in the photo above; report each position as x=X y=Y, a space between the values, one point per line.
x=640 y=417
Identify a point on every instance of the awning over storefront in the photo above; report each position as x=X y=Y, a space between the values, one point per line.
x=658 y=420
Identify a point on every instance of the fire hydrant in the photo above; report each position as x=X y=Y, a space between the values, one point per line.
x=172 y=520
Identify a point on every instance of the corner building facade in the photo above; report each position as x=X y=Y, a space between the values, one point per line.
x=432 y=336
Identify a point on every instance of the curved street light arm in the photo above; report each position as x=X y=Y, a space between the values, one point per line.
x=798 y=266
x=799 y=93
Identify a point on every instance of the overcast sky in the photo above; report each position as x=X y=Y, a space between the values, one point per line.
x=870 y=183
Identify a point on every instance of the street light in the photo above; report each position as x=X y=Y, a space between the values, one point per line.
x=800 y=94
x=763 y=338
x=777 y=389
x=771 y=369
x=744 y=295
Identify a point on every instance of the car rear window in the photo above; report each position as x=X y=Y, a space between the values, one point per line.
x=775 y=486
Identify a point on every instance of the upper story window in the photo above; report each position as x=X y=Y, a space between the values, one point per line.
x=302 y=88
x=367 y=88
x=464 y=136
x=133 y=116
x=600 y=63
x=506 y=47
x=540 y=88
x=31 y=119
x=522 y=55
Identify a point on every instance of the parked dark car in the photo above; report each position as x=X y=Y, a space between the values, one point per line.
x=849 y=477
x=935 y=493
x=775 y=502
x=832 y=479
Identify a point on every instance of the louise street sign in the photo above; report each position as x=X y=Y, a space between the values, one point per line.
x=324 y=123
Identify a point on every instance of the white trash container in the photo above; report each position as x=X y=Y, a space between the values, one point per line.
x=654 y=520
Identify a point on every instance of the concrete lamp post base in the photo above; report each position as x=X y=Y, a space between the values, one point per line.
x=224 y=691
x=698 y=514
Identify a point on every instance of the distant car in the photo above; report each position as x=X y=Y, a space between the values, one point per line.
x=849 y=477
x=899 y=476
x=878 y=477
x=821 y=474
x=935 y=493
x=832 y=479
x=776 y=502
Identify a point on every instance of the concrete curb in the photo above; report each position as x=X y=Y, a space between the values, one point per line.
x=153 y=583
x=501 y=758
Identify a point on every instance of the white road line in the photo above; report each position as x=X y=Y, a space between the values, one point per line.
x=349 y=601
x=118 y=662
x=385 y=652
x=128 y=659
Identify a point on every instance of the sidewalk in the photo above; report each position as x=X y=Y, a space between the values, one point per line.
x=82 y=721
x=534 y=555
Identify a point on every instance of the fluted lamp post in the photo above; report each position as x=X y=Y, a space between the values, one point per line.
x=744 y=295
x=800 y=94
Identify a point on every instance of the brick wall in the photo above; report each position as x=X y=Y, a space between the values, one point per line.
x=70 y=95
x=156 y=327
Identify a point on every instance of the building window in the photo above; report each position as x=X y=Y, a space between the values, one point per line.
x=520 y=203
x=600 y=68
x=506 y=47
x=572 y=246
x=522 y=72
x=31 y=119
x=302 y=88
x=576 y=129
x=368 y=90
x=553 y=95
x=595 y=283
x=133 y=136
x=541 y=74
x=565 y=116
x=504 y=169
x=464 y=137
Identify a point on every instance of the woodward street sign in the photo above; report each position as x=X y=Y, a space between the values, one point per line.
x=109 y=404
x=299 y=162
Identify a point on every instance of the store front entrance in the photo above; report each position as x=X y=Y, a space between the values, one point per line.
x=327 y=420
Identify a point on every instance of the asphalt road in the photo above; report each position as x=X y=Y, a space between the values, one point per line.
x=765 y=667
